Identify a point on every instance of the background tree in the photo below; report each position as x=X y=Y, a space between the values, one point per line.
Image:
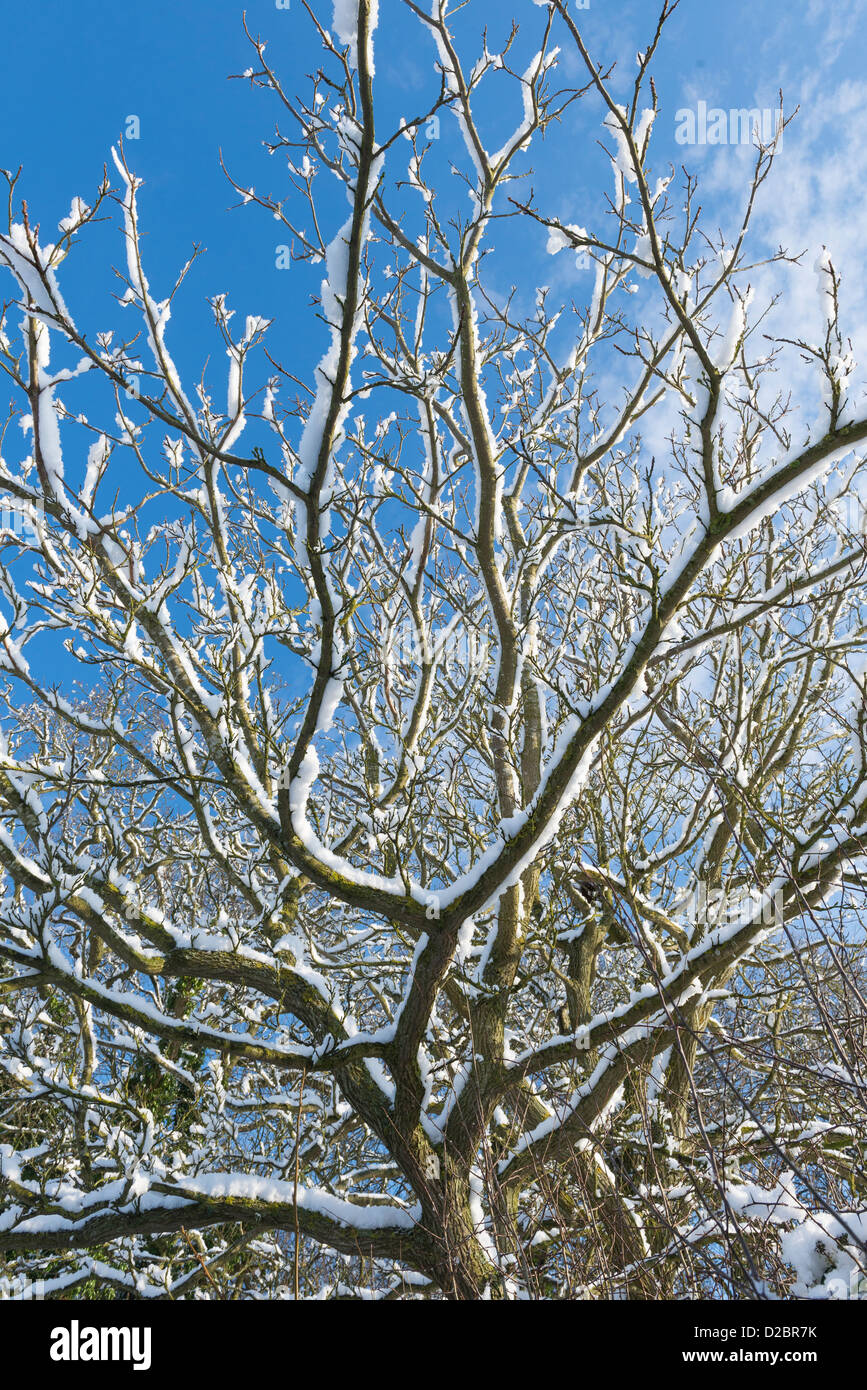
x=446 y=879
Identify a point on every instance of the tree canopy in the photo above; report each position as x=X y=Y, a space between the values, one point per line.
x=444 y=875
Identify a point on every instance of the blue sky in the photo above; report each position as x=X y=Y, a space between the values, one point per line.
x=73 y=74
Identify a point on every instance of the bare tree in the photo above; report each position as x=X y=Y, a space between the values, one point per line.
x=446 y=879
